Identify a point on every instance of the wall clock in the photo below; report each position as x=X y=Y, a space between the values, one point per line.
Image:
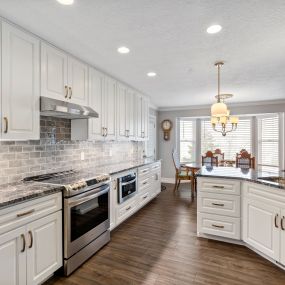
x=166 y=126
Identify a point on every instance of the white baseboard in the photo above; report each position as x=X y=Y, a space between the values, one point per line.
x=171 y=180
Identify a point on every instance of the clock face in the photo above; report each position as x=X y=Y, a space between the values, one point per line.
x=166 y=125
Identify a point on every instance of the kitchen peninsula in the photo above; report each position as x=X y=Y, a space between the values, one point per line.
x=243 y=206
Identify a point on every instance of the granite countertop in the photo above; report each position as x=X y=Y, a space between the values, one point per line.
x=14 y=193
x=243 y=174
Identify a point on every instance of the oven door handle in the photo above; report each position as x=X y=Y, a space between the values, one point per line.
x=129 y=182
x=88 y=198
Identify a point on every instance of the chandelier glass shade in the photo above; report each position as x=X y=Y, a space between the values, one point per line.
x=220 y=114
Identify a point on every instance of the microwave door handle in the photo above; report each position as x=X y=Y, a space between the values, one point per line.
x=129 y=182
x=89 y=197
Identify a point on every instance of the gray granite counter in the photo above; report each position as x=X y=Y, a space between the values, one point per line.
x=244 y=174
x=12 y=194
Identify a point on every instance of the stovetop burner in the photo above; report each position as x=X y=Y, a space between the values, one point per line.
x=73 y=181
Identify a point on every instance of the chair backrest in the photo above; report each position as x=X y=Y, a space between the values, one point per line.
x=245 y=160
x=219 y=154
x=176 y=159
x=209 y=159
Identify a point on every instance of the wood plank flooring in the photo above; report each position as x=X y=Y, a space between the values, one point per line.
x=158 y=246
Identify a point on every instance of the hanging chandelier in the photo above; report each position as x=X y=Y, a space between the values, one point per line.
x=220 y=114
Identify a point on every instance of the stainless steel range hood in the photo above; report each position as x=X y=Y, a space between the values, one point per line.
x=62 y=109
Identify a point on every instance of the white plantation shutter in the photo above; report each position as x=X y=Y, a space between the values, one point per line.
x=232 y=143
x=187 y=143
x=268 y=142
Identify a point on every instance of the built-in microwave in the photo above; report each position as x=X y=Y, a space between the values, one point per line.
x=127 y=186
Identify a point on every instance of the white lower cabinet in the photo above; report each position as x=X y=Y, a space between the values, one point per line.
x=31 y=252
x=13 y=258
x=44 y=253
x=261 y=229
x=282 y=249
x=149 y=186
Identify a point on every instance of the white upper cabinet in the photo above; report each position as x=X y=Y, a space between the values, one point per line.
x=102 y=98
x=121 y=111
x=110 y=107
x=96 y=101
x=63 y=77
x=130 y=114
x=53 y=73
x=142 y=117
x=77 y=81
x=20 y=84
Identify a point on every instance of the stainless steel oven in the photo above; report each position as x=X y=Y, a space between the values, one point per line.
x=127 y=186
x=86 y=225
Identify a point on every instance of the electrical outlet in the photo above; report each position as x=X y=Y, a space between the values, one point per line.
x=82 y=155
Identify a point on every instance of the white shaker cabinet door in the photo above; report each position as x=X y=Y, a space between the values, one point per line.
x=96 y=97
x=139 y=117
x=282 y=225
x=130 y=114
x=261 y=228
x=20 y=84
x=77 y=82
x=13 y=257
x=44 y=247
x=110 y=108
x=121 y=112
x=53 y=73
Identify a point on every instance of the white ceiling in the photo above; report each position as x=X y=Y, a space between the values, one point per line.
x=169 y=37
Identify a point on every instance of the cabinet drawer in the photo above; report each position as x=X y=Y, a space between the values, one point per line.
x=216 y=185
x=223 y=226
x=144 y=198
x=26 y=212
x=127 y=210
x=144 y=171
x=155 y=166
x=144 y=184
x=220 y=204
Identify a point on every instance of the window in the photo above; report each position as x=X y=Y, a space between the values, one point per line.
x=187 y=143
x=268 y=142
x=232 y=143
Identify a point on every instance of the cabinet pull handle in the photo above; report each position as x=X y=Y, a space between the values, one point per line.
x=128 y=208
x=275 y=221
x=6 y=125
x=281 y=224
x=144 y=171
x=217 y=226
x=31 y=238
x=145 y=197
x=106 y=132
x=144 y=182
x=66 y=91
x=24 y=242
x=218 y=204
x=218 y=186
x=103 y=131
x=70 y=92
x=25 y=213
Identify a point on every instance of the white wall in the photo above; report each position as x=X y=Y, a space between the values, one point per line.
x=165 y=147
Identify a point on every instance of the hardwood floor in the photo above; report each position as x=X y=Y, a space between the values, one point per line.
x=158 y=246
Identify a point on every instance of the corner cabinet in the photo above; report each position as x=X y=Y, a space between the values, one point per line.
x=20 y=84
x=31 y=241
x=63 y=77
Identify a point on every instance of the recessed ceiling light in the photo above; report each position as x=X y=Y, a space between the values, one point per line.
x=65 y=2
x=151 y=74
x=123 y=50
x=214 y=29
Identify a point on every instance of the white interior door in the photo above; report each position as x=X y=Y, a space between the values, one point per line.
x=13 y=258
x=20 y=84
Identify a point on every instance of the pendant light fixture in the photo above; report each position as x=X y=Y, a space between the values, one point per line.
x=219 y=110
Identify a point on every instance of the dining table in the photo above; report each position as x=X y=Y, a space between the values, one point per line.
x=193 y=167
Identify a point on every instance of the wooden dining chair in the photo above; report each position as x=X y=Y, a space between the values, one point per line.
x=209 y=159
x=220 y=155
x=245 y=160
x=181 y=172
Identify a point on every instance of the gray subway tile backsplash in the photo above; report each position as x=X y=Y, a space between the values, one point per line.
x=55 y=152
